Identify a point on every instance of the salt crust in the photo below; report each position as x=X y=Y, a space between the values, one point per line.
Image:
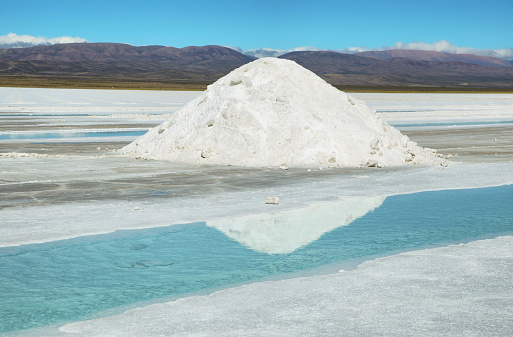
x=273 y=112
x=28 y=155
x=59 y=221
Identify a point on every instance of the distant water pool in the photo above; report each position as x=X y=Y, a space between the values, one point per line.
x=473 y=123
x=44 y=284
x=87 y=134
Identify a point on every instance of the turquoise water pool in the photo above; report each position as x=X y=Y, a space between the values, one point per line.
x=88 y=134
x=44 y=284
x=474 y=123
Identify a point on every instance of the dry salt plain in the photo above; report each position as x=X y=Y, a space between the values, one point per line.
x=93 y=243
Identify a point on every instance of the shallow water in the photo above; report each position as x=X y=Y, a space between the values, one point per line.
x=50 y=135
x=44 y=284
x=453 y=123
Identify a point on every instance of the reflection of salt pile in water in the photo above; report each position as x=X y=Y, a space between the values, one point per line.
x=272 y=112
x=284 y=232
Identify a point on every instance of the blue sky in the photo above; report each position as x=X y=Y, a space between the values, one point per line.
x=280 y=24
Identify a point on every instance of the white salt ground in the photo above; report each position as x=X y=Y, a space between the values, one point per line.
x=462 y=290
x=273 y=112
x=24 y=225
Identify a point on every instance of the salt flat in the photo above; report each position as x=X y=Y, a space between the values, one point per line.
x=58 y=188
x=80 y=178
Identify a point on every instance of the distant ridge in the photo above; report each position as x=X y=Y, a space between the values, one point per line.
x=118 y=52
x=116 y=64
x=122 y=62
x=347 y=69
x=426 y=55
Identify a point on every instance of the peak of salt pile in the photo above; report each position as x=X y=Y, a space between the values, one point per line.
x=273 y=112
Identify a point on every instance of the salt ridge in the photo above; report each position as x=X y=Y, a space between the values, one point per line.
x=273 y=112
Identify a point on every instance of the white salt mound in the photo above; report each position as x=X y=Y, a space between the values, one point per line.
x=273 y=112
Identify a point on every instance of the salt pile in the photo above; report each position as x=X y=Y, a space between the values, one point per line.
x=273 y=112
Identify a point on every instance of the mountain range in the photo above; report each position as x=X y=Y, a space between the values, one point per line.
x=427 y=55
x=347 y=69
x=122 y=62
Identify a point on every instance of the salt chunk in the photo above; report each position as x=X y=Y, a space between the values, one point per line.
x=205 y=154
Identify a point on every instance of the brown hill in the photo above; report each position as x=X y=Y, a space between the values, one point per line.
x=105 y=64
x=117 y=52
x=121 y=62
x=426 y=55
x=346 y=69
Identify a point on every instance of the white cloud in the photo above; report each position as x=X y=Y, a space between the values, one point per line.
x=12 y=40
x=66 y=39
x=271 y=52
x=505 y=53
x=239 y=49
x=444 y=46
x=440 y=46
x=352 y=50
